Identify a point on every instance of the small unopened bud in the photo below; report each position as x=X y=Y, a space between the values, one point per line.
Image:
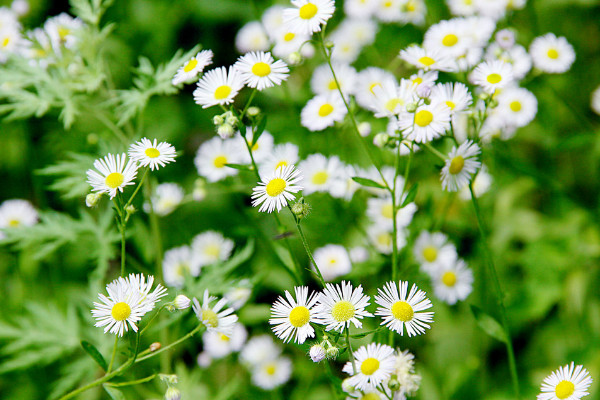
x=301 y=209
x=332 y=353
x=225 y=131
x=364 y=128
x=295 y=58
x=423 y=91
x=317 y=353
x=92 y=199
x=92 y=139
x=484 y=96
x=199 y=192
x=347 y=386
x=218 y=120
x=168 y=379
x=130 y=209
x=411 y=107
x=505 y=38
x=393 y=384
x=231 y=119
x=155 y=346
x=329 y=44
x=381 y=139
x=253 y=111
x=20 y=7
x=172 y=393
x=493 y=103
x=182 y=302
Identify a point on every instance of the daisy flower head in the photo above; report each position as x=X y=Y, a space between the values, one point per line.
x=193 y=67
x=322 y=81
x=382 y=238
x=460 y=166
x=211 y=247
x=261 y=148
x=381 y=212
x=359 y=9
x=374 y=364
x=346 y=48
x=252 y=37
x=272 y=373
x=121 y=310
x=567 y=383
x=142 y=286
x=166 y=197
x=239 y=294
x=275 y=191
x=481 y=184
x=516 y=107
x=428 y=122
x=218 y=87
x=113 y=174
x=426 y=59
x=367 y=80
x=259 y=350
x=323 y=174
x=272 y=18
x=152 y=154
x=551 y=54
x=15 y=213
x=492 y=75
x=340 y=305
x=219 y=345
x=259 y=70
x=431 y=250
x=282 y=155
x=455 y=95
x=453 y=282
x=307 y=16
x=322 y=111
x=288 y=42
x=291 y=318
x=333 y=261
x=213 y=156
x=402 y=309
x=62 y=30
x=390 y=100
x=178 y=263
x=215 y=318
x=450 y=37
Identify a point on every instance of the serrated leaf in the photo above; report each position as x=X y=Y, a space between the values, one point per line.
x=488 y=324
x=410 y=196
x=114 y=393
x=367 y=182
x=94 y=353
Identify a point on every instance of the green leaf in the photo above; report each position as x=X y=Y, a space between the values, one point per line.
x=368 y=182
x=410 y=196
x=365 y=334
x=114 y=393
x=260 y=128
x=94 y=353
x=241 y=167
x=488 y=324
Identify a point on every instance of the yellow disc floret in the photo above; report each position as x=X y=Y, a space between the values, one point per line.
x=261 y=69
x=190 y=65
x=426 y=61
x=325 y=110
x=299 y=316
x=450 y=40
x=423 y=118
x=342 y=311
x=494 y=78
x=209 y=318
x=288 y=37
x=121 y=311
x=114 y=180
x=449 y=278
x=222 y=92
x=515 y=106
x=387 y=211
x=281 y=164
x=320 y=178
x=369 y=366
x=220 y=161
x=152 y=152
x=430 y=254
x=275 y=187
x=308 y=11
x=564 y=389
x=553 y=54
x=403 y=311
x=456 y=165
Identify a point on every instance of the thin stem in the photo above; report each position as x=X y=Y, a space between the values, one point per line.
x=248 y=104
x=152 y=319
x=349 y=345
x=435 y=151
x=308 y=252
x=114 y=353
x=137 y=189
x=175 y=343
x=130 y=383
x=499 y=294
x=123 y=253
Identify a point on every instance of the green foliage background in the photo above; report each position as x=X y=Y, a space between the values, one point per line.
x=542 y=211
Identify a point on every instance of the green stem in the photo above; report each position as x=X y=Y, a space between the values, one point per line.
x=114 y=353
x=152 y=319
x=499 y=294
x=130 y=383
x=248 y=104
x=123 y=253
x=175 y=343
x=308 y=252
x=137 y=189
x=435 y=151
x=349 y=345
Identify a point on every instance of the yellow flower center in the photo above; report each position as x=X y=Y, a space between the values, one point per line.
x=289 y=37
x=222 y=92
x=275 y=187
x=281 y=164
x=387 y=4
x=392 y=104
x=14 y=223
x=430 y=253
x=418 y=80
x=190 y=65
x=63 y=32
x=299 y=316
x=342 y=311
x=403 y=311
x=384 y=239
x=270 y=369
x=494 y=78
x=308 y=11
x=369 y=366
x=255 y=146
x=212 y=250
x=332 y=261
x=220 y=161
x=449 y=278
x=5 y=42
x=114 y=180
x=450 y=40
x=209 y=318
x=261 y=69
x=411 y=6
x=182 y=269
x=387 y=211
x=553 y=54
x=371 y=396
x=450 y=104
x=456 y=165
x=152 y=152
x=332 y=85
x=564 y=389
x=121 y=311
x=423 y=118
x=427 y=61
x=373 y=86
x=224 y=337
x=325 y=110
x=515 y=106
x=320 y=177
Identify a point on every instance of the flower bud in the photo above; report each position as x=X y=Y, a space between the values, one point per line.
x=130 y=209
x=155 y=346
x=484 y=96
x=423 y=91
x=317 y=353
x=231 y=119
x=20 y=7
x=225 y=131
x=218 y=120
x=301 y=209
x=168 y=379
x=332 y=353
x=347 y=386
x=364 y=128
x=253 y=111
x=182 y=302
x=91 y=200
x=199 y=192
x=393 y=384
x=92 y=139
x=172 y=393
x=493 y=103
x=381 y=139
x=505 y=38
x=295 y=58
x=329 y=44
x=411 y=107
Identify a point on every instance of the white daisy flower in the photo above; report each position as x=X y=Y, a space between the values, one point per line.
x=308 y=15
x=389 y=100
x=218 y=86
x=382 y=237
x=121 y=310
x=460 y=166
x=62 y=30
x=166 y=197
x=367 y=80
x=282 y=155
x=516 y=56
x=431 y=250
x=461 y=7
x=359 y=254
x=261 y=149
x=389 y=10
x=423 y=77
x=291 y=318
x=516 y=107
x=252 y=37
x=276 y=190
x=374 y=365
x=322 y=81
x=259 y=350
x=287 y=42
x=338 y=306
x=15 y=213
x=212 y=157
x=450 y=37
x=215 y=318
x=239 y=294
x=323 y=174
x=272 y=373
x=178 y=263
x=211 y=247
x=401 y=309
x=380 y=211
x=453 y=282
x=142 y=286
x=322 y=111
x=362 y=30
x=114 y=174
x=595 y=103
x=346 y=48
x=567 y=383
x=428 y=122
x=495 y=9
x=551 y=54
x=413 y=12
x=360 y=9
x=492 y=75
x=152 y=154
x=259 y=70
x=426 y=59
x=481 y=184
x=218 y=345
x=333 y=261
x=193 y=67
x=455 y=95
